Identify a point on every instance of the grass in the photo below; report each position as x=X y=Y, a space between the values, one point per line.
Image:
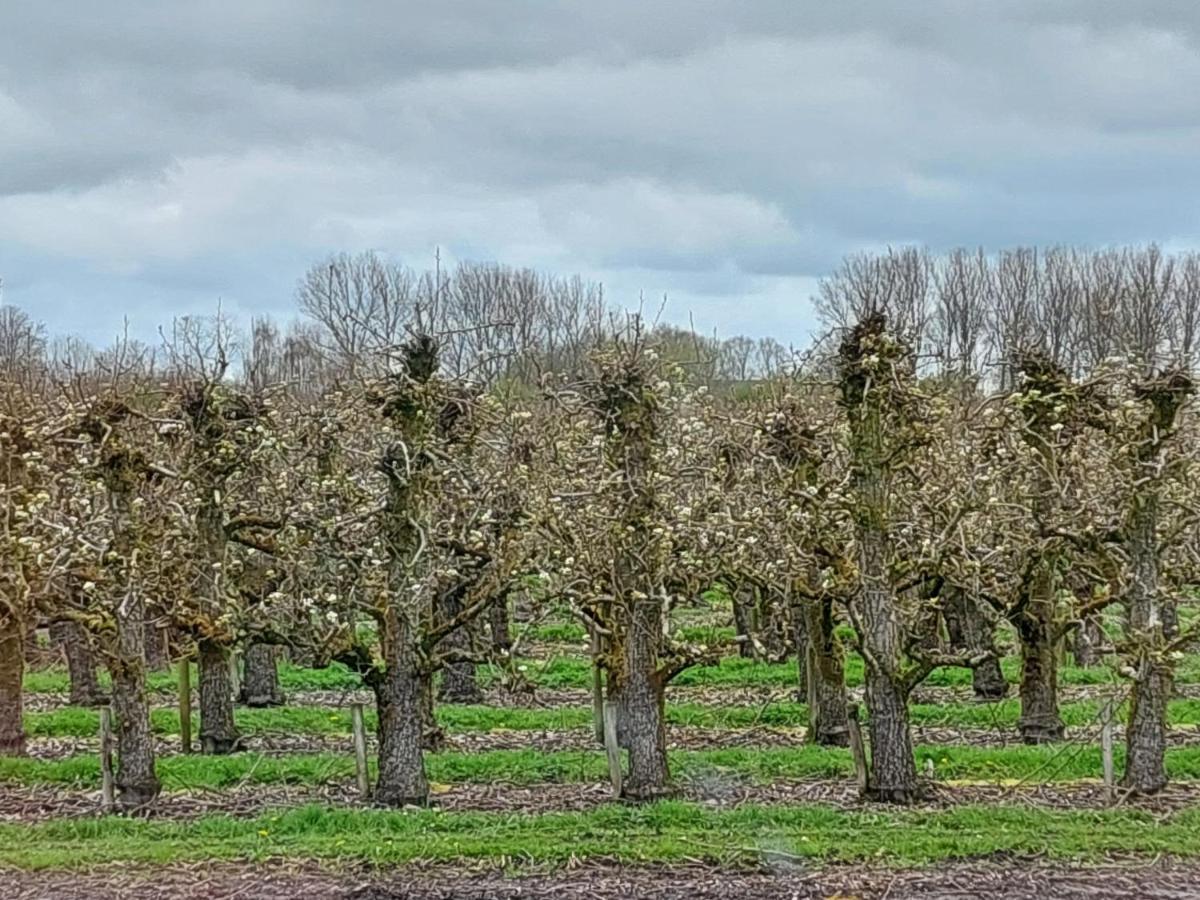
x=309 y=720
x=662 y=832
x=998 y=765
x=563 y=671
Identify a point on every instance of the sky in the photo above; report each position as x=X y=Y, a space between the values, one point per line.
x=157 y=159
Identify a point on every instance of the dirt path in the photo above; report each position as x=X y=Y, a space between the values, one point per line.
x=1019 y=879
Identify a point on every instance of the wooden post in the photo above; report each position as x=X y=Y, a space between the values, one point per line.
x=1106 y=748
x=185 y=704
x=107 y=792
x=597 y=690
x=235 y=673
x=857 y=750
x=360 y=750
x=810 y=688
x=611 y=747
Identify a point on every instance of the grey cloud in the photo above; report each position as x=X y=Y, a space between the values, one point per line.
x=707 y=148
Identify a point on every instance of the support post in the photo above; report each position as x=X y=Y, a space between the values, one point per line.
x=360 y=751
x=857 y=748
x=1106 y=749
x=597 y=690
x=108 y=798
x=185 y=705
x=611 y=748
x=235 y=673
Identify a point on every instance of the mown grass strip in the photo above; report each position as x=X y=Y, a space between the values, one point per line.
x=317 y=721
x=1001 y=765
x=661 y=833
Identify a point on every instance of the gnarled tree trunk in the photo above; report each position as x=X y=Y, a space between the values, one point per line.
x=745 y=621
x=218 y=733
x=76 y=645
x=12 y=673
x=137 y=780
x=458 y=677
x=498 y=624
x=823 y=670
x=1150 y=629
x=1089 y=642
x=1040 y=722
x=969 y=630
x=402 y=696
x=260 y=681
x=641 y=689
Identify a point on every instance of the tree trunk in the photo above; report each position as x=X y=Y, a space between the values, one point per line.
x=1146 y=734
x=1040 y=722
x=1152 y=623
x=12 y=674
x=260 y=682
x=156 y=653
x=893 y=767
x=458 y=676
x=773 y=625
x=821 y=661
x=893 y=776
x=498 y=622
x=801 y=640
x=969 y=630
x=641 y=695
x=76 y=644
x=401 y=696
x=459 y=684
x=744 y=621
x=1089 y=642
x=218 y=734
x=137 y=781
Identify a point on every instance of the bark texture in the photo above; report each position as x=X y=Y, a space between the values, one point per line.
x=260 y=681
x=970 y=630
x=640 y=690
x=458 y=677
x=1040 y=722
x=1089 y=643
x=822 y=661
x=12 y=672
x=218 y=733
x=76 y=645
x=137 y=780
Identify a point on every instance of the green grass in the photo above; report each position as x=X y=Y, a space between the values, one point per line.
x=575 y=671
x=662 y=832
x=761 y=765
x=308 y=720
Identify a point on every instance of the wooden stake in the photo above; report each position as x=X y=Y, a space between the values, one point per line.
x=108 y=800
x=235 y=674
x=810 y=687
x=185 y=704
x=857 y=749
x=597 y=691
x=360 y=750
x=611 y=747
x=1106 y=749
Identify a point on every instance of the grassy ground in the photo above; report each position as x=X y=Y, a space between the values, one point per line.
x=573 y=671
x=667 y=832
x=662 y=832
x=312 y=720
x=1002 y=765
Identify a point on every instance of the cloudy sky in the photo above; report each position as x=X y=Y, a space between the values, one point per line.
x=156 y=158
